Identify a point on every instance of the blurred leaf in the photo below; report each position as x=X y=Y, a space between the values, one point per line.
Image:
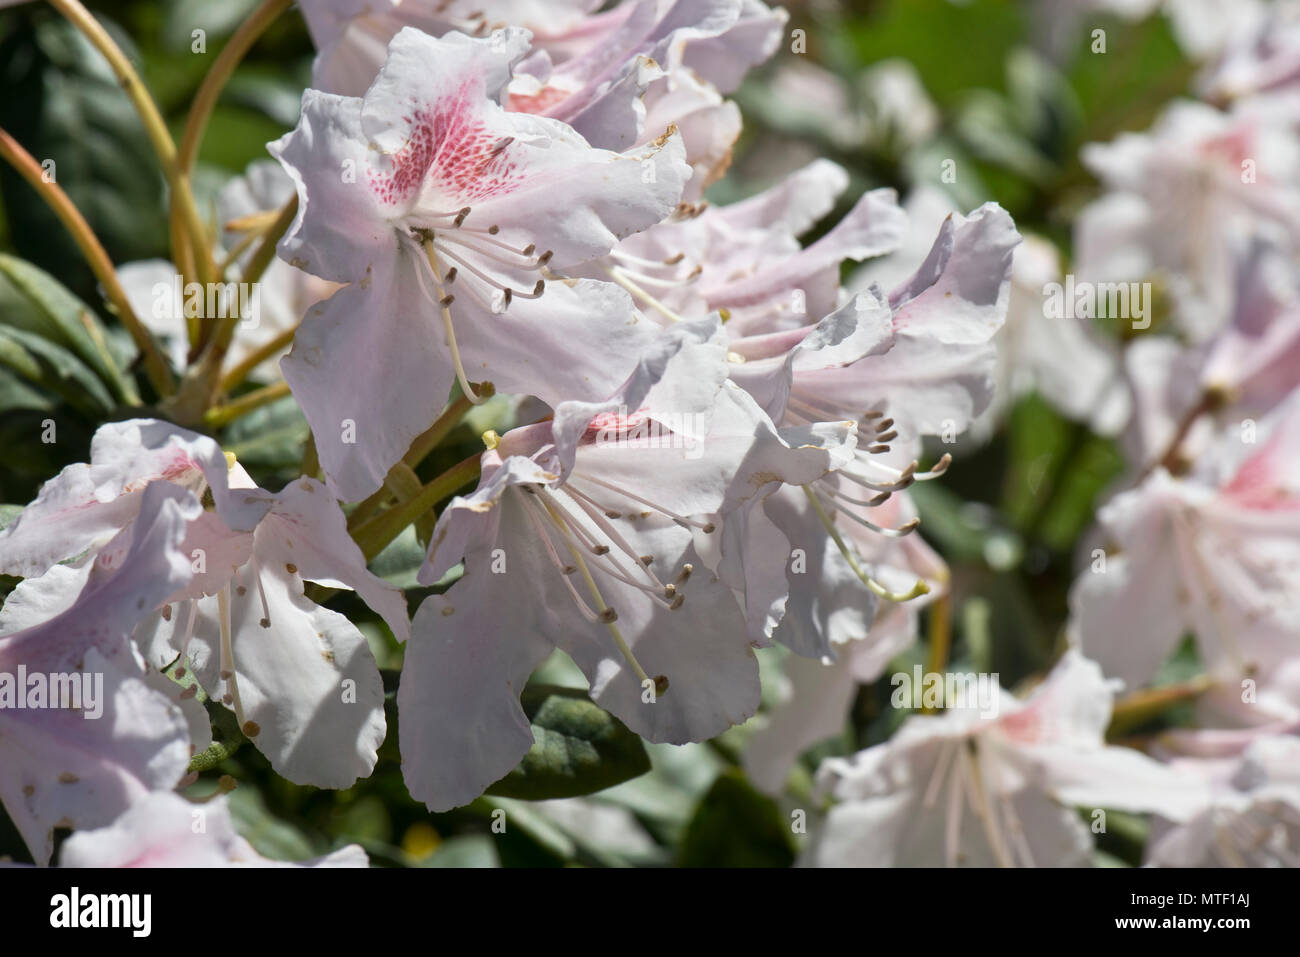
x=63 y=104
x=468 y=850
x=217 y=20
x=270 y=438
x=735 y=826
x=1058 y=471
x=236 y=136
x=400 y=561
x=8 y=513
x=270 y=92
x=579 y=748
x=34 y=301
x=955 y=47
x=269 y=835
x=52 y=367
x=17 y=394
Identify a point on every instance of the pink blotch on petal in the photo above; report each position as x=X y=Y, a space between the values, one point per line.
x=450 y=149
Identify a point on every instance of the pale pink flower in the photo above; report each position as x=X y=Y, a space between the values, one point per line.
x=580 y=537
x=64 y=767
x=1016 y=770
x=447 y=214
x=1214 y=553
x=165 y=830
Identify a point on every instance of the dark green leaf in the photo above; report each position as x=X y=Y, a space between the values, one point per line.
x=578 y=748
x=735 y=826
x=34 y=301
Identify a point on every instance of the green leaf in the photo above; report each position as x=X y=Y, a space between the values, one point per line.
x=578 y=748
x=272 y=437
x=63 y=103
x=34 y=301
x=735 y=826
x=269 y=835
x=54 y=368
x=8 y=513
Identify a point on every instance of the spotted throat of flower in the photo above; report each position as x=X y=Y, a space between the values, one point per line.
x=445 y=236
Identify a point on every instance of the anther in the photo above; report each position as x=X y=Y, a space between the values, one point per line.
x=460 y=217
x=609 y=616
x=446 y=301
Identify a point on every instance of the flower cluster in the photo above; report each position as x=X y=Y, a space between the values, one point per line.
x=705 y=432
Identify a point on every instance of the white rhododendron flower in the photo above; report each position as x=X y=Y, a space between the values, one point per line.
x=453 y=213
x=592 y=431
x=994 y=783
x=160 y=831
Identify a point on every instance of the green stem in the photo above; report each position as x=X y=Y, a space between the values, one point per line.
x=219 y=415
x=155 y=128
x=1137 y=709
x=374 y=535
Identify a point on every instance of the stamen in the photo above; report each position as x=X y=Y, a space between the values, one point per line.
x=917 y=590
x=600 y=602
x=565 y=570
x=979 y=801
x=706 y=527
x=506 y=290
x=906 y=528
x=952 y=822
x=880 y=499
x=617 y=275
x=612 y=533
x=265 y=621
x=476 y=238
x=432 y=258
x=936 y=778
x=228 y=652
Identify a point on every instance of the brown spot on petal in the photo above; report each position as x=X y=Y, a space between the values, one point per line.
x=251 y=729
x=67 y=777
x=291 y=568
